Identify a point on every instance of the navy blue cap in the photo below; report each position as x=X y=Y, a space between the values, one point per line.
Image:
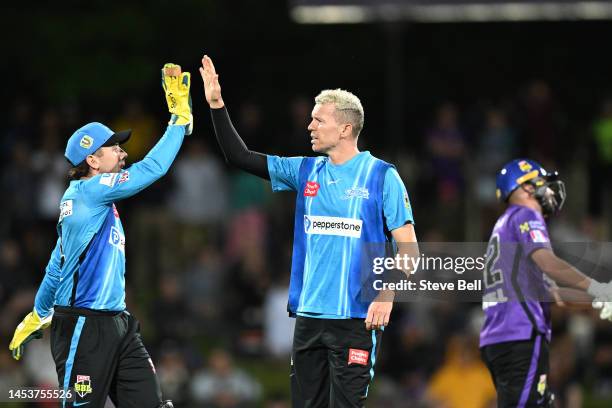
x=91 y=137
x=515 y=173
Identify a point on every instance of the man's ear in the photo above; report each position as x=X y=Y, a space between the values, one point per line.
x=347 y=130
x=93 y=162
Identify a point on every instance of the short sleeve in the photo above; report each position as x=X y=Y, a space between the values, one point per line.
x=531 y=230
x=284 y=172
x=396 y=203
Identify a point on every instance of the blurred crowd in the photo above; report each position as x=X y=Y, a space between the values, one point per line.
x=209 y=248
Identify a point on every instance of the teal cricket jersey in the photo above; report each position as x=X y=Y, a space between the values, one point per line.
x=87 y=266
x=338 y=209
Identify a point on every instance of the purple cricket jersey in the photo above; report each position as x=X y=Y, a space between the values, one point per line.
x=516 y=298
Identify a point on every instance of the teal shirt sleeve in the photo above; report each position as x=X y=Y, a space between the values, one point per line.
x=284 y=172
x=396 y=203
x=110 y=187
x=45 y=297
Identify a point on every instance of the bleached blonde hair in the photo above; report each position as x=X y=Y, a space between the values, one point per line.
x=348 y=107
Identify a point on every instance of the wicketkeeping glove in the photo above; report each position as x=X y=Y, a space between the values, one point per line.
x=176 y=87
x=606 y=309
x=30 y=328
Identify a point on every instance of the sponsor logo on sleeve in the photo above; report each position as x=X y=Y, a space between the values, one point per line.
x=125 y=176
x=117 y=239
x=531 y=225
x=357 y=356
x=537 y=236
x=406 y=201
x=311 y=189
x=108 y=179
x=65 y=209
x=535 y=224
x=82 y=386
x=339 y=226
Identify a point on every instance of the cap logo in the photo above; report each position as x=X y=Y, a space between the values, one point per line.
x=86 y=142
x=524 y=166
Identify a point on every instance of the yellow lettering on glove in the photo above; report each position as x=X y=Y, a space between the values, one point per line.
x=30 y=328
x=176 y=86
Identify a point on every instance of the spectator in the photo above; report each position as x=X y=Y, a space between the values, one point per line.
x=446 y=146
x=497 y=144
x=278 y=326
x=173 y=374
x=222 y=385
x=600 y=163
x=199 y=201
x=203 y=286
x=50 y=167
x=170 y=314
x=463 y=380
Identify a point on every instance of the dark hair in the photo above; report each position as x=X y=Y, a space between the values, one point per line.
x=82 y=169
x=76 y=172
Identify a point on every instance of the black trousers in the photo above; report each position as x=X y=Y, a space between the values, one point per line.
x=101 y=354
x=332 y=362
x=520 y=372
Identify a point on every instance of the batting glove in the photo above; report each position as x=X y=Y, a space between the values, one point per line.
x=29 y=329
x=176 y=87
x=606 y=309
x=600 y=291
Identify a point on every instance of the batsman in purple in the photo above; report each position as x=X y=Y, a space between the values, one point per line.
x=521 y=272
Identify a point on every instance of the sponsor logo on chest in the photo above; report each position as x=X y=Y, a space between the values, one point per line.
x=117 y=239
x=340 y=226
x=311 y=189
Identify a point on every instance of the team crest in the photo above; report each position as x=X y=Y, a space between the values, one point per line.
x=82 y=386
x=86 y=142
x=357 y=192
x=524 y=166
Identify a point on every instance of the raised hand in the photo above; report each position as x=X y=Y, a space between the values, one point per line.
x=212 y=89
x=176 y=86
